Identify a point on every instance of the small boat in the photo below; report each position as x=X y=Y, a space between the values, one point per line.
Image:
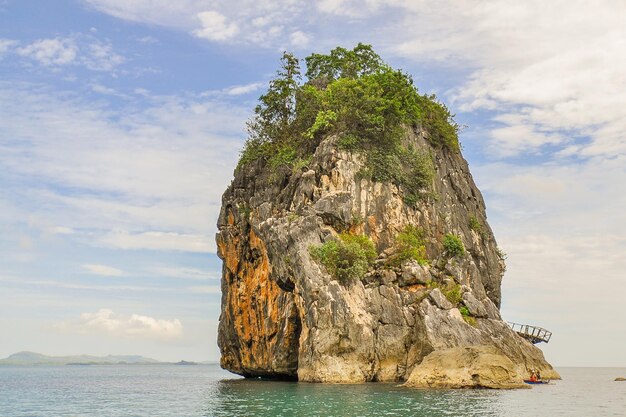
x=536 y=382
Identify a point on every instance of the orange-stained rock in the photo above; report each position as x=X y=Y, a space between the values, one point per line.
x=256 y=313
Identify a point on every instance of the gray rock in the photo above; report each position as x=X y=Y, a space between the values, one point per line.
x=475 y=307
x=413 y=273
x=440 y=300
x=284 y=316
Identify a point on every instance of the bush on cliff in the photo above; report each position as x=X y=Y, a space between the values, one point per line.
x=346 y=258
x=453 y=245
x=409 y=245
x=354 y=95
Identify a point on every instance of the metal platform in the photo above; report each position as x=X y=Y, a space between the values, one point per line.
x=533 y=334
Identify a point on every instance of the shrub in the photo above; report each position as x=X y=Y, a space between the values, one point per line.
x=409 y=245
x=346 y=258
x=475 y=225
x=453 y=245
x=366 y=103
x=452 y=291
x=469 y=319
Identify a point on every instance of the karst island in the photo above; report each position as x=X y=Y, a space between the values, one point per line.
x=355 y=244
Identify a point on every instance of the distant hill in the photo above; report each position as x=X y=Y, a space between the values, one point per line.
x=32 y=358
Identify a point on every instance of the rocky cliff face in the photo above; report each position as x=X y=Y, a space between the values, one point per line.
x=284 y=316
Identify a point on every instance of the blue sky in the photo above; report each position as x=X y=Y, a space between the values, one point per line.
x=121 y=123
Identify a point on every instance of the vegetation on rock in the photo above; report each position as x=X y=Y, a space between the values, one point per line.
x=346 y=258
x=409 y=245
x=367 y=104
x=469 y=319
x=475 y=225
x=453 y=245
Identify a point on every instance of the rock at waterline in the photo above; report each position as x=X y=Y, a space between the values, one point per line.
x=619 y=378
x=466 y=367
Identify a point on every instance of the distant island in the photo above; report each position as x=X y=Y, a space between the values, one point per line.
x=32 y=358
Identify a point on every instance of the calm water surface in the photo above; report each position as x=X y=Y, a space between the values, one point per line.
x=205 y=390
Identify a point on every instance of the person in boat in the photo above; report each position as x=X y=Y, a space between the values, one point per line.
x=533 y=376
x=538 y=375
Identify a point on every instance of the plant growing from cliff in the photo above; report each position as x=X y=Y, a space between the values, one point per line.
x=346 y=258
x=451 y=290
x=409 y=245
x=469 y=319
x=366 y=104
x=475 y=225
x=453 y=245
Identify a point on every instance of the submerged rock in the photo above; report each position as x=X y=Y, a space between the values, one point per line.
x=466 y=367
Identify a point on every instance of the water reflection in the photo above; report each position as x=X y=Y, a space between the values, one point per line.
x=272 y=398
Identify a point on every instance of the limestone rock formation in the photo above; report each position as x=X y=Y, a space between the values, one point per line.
x=284 y=315
x=466 y=367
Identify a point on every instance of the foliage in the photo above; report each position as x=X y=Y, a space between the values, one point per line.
x=453 y=245
x=343 y=63
x=323 y=120
x=469 y=319
x=368 y=105
x=346 y=258
x=451 y=290
x=244 y=211
x=502 y=255
x=284 y=157
x=475 y=225
x=276 y=110
x=409 y=245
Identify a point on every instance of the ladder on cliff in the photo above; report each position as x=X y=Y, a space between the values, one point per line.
x=533 y=334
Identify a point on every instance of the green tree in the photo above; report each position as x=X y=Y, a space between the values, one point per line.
x=277 y=108
x=343 y=63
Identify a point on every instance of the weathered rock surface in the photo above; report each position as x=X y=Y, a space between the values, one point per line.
x=466 y=367
x=284 y=316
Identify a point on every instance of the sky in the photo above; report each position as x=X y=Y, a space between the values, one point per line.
x=121 y=123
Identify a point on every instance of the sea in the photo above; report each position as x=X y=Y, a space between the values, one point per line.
x=206 y=390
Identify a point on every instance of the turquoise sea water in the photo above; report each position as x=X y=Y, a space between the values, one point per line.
x=206 y=390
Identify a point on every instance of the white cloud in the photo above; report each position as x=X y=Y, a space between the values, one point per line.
x=215 y=26
x=182 y=272
x=243 y=89
x=148 y=40
x=206 y=289
x=299 y=39
x=561 y=71
x=266 y=23
x=158 y=241
x=148 y=178
x=106 y=322
x=350 y=8
x=100 y=56
x=50 y=52
x=104 y=270
x=513 y=139
x=6 y=45
x=78 y=49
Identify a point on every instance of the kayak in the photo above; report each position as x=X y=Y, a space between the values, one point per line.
x=528 y=381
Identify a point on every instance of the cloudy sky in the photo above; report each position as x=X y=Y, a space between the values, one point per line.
x=121 y=123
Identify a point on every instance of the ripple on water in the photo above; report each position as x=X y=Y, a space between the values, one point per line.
x=190 y=391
